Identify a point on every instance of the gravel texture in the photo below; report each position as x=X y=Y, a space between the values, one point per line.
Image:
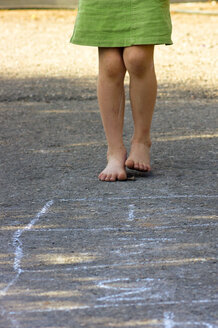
x=36 y=55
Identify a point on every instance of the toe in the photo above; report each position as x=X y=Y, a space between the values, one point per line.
x=122 y=176
x=136 y=166
x=148 y=168
x=113 y=177
x=103 y=176
x=145 y=168
x=141 y=166
x=108 y=177
x=129 y=163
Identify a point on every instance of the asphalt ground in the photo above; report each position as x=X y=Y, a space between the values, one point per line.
x=78 y=252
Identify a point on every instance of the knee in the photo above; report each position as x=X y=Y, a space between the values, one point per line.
x=138 y=60
x=112 y=66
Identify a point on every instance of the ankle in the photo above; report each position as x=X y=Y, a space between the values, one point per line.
x=146 y=141
x=118 y=149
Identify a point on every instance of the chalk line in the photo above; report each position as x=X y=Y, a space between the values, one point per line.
x=9 y=317
x=112 y=305
x=168 y=320
x=125 y=291
x=126 y=227
x=105 y=198
x=17 y=243
x=131 y=215
x=128 y=264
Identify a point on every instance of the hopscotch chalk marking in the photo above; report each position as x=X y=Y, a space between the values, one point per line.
x=127 y=264
x=124 y=293
x=168 y=320
x=100 y=199
x=131 y=215
x=17 y=243
x=124 y=229
x=112 y=305
x=9 y=317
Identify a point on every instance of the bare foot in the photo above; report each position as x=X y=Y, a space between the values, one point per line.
x=139 y=157
x=115 y=169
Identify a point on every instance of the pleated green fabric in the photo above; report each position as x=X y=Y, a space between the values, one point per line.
x=122 y=23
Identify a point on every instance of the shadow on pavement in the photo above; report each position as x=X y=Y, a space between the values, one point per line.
x=50 y=89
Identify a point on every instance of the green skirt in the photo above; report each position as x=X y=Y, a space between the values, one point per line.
x=122 y=23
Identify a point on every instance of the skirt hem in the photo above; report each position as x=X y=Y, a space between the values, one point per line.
x=121 y=44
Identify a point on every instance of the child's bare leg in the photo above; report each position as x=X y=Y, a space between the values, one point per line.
x=111 y=100
x=143 y=91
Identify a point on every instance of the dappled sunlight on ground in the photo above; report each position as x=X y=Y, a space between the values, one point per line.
x=49 y=53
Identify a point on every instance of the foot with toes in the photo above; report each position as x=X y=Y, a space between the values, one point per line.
x=139 y=157
x=115 y=169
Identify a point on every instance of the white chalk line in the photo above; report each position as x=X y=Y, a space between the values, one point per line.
x=128 y=290
x=18 y=254
x=103 y=199
x=13 y=321
x=17 y=268
x=118 y=229
x=131 y=209
x=169 y=322
x=105 y=305
x=17 y=243
x=125 y=264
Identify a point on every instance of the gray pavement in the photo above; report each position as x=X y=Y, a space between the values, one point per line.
x=78 y=252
